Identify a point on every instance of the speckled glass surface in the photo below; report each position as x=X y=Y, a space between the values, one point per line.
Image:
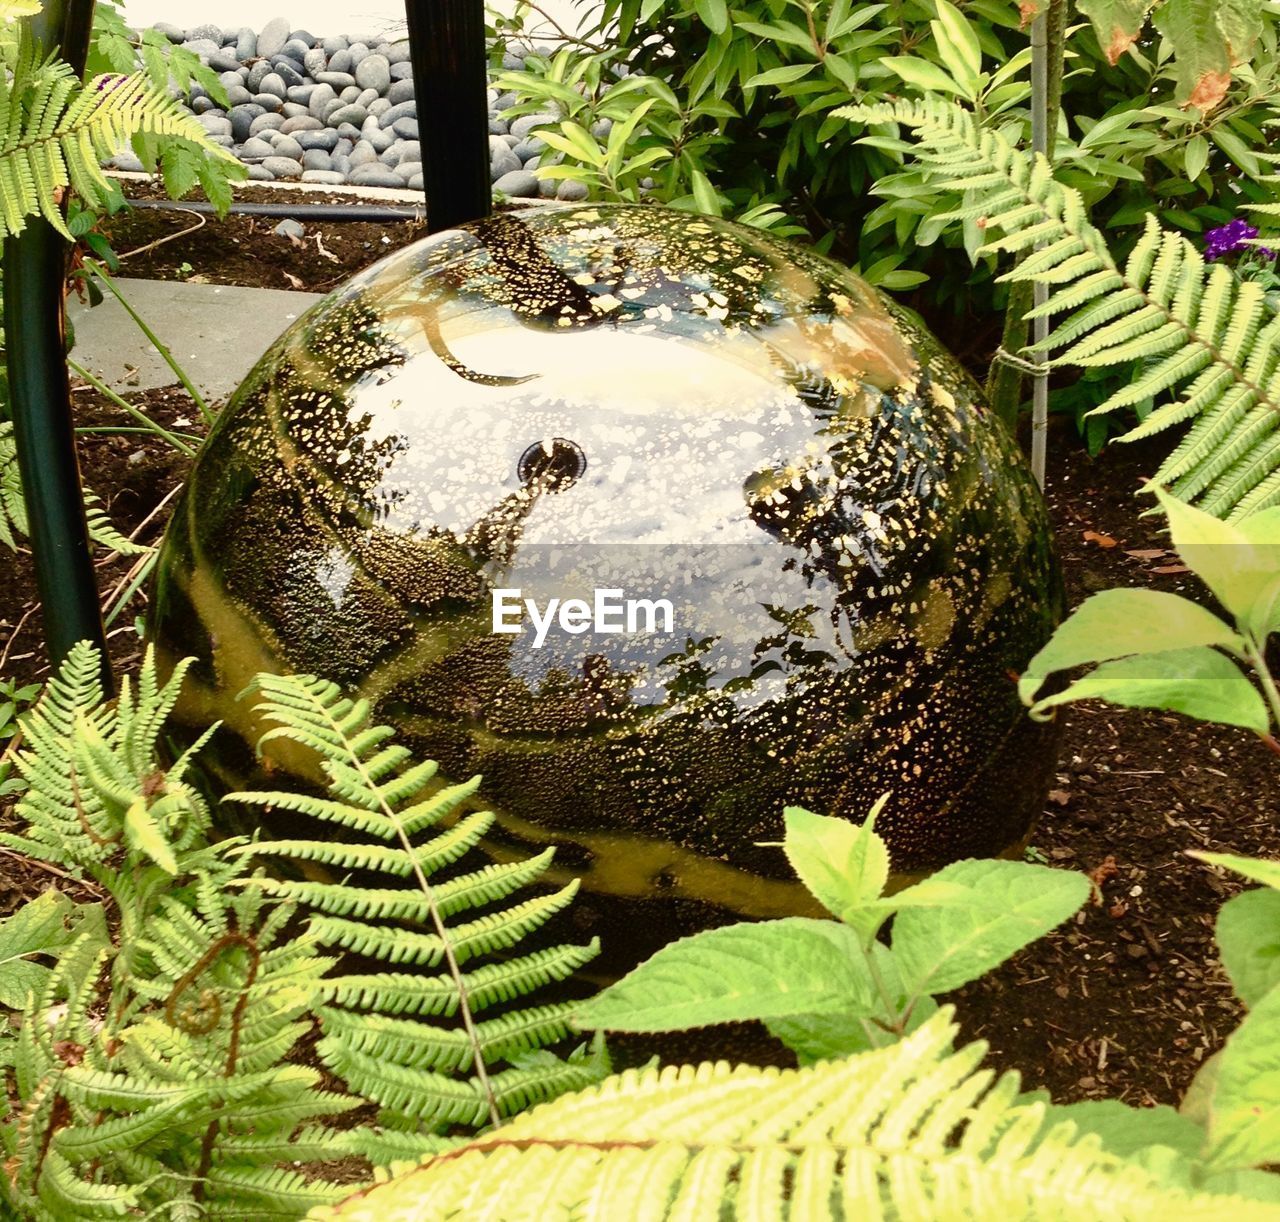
x=646 y=400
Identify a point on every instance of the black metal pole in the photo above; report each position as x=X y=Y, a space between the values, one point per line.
x=450 y=83
x=35 y=266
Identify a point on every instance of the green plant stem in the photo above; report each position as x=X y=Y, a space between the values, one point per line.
x=104 y=278
x=1257 y=659
x=877 y=978
x=1004 y=380
x=148 y=425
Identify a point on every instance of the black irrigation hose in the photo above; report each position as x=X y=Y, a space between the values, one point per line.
x=376 y=213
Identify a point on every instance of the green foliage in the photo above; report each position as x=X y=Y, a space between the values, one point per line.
x=1158 y=650
x=1201 y=334
x=381 y=1033
x=829 y=988
x=57 y=130
x=915 y=1130
x=13 y=699
x=156 y=1064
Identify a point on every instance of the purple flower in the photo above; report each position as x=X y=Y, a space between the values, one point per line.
x=1229 y=238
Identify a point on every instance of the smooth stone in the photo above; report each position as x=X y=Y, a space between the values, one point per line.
x=225 y=142
x=128 y=161
x=510 y=140
x=512 y=63
x=316 y=159
x=570 y=191
x=374 y=72
x=351 y=113
x=379 y=107
x=255 y=146
x=330 y=178
x=298 y=48
x=242 y=118
x=358 y=50
x=501 y=159
x=304 y=36
x=374 y=176
x=363 y=154
x=290 y=228
x=497 y=127
x=335 y=44
x=257 y=74
x=367 y=98
x=525 y=124
x=530 y=148
x=315 y=60
x=415 y=183
x=301 y=123
x=339 y=80
x=301 y=93
x=340 y=61
x=272 y=37
x=344 y=147
x=350 y=94
x=283 y=167
x=273 y=83
x=294 y=110
x=407 y=169
x=341 y=164
x=215 y=124
x=268 y=101
x=518 y=184
x=410 y=150
x=547 y=188
x=324 y=141
x=396 y=53
x=321 y=95
x=504 y=101
x=602 y=129
x=246 y=44
x=197 y=91
x=348 y=131
x=406 y=129
x=400 y=91
x=379 y=139
x=224 y=61
x=259 y=173
x=203 y=47
x=212 y=33
x=238 y=95
x=201 y=105
x=172 y=32
x=401 y=72
x=266 y=123
x=287 y=146
x=289 y=74
x=402 y=110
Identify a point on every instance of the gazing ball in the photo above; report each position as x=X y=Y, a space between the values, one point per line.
x=823 y=561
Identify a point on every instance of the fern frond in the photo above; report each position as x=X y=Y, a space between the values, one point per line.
x=1209 y=341
x=382 y=1030
x=910 y=1131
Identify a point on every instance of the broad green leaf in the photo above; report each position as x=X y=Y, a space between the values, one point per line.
x=42 y=926
x=922 y=74
x=767 y=970
x=958 y=44
x=1241 y=566
x=844 y=864
x=1201 y=683
x=714 y=14
x=1011 y=904
x=1244 y=1108
x=1117 y=623
x=1248 y=933
x=1117 y=23
x=781 y=76
x=1125 y=1130
x=1202 y=55
x=1196 y=153
x=1259 y=869
x=704 y=194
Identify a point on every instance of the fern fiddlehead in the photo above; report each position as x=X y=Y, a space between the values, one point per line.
x=1209 y=343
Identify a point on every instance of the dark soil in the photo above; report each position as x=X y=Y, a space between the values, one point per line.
x=1128 y=999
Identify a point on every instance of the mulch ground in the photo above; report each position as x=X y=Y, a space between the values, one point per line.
x=1126 y=1000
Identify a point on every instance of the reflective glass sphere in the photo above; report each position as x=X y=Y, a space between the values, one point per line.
x=807 y=561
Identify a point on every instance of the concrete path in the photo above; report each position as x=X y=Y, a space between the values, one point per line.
x=216 y=332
